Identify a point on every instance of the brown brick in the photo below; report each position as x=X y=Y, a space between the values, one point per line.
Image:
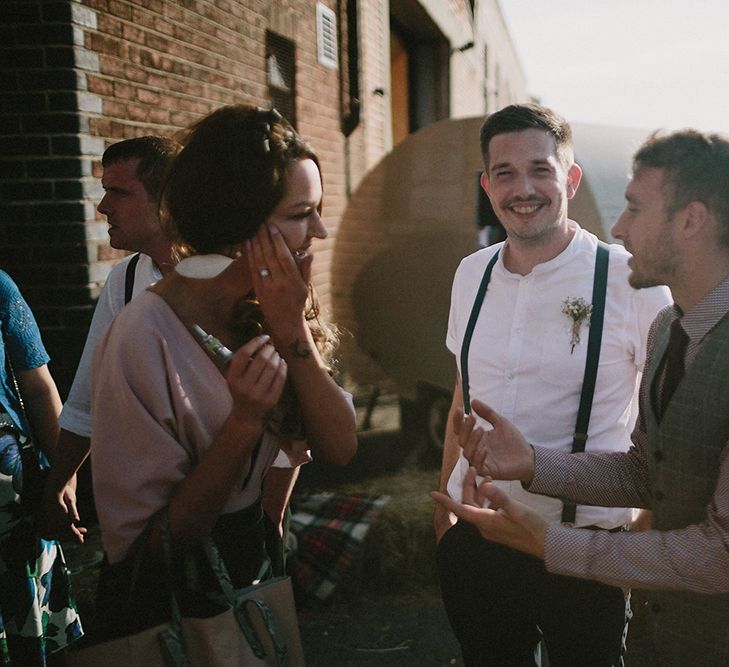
x=159 y=117
x=111 y=66
x=99 y=85
x=109 y=25
x=123 y=91
x=133 y=33
x=120 y=8
x=147 y=96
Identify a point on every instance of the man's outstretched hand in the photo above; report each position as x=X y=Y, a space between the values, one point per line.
x=506 y=521
x=499 y=453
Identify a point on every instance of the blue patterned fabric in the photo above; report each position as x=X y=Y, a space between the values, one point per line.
x=38 y=614
x=21 y=341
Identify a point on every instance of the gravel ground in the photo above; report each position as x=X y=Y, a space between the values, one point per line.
x=383 y=631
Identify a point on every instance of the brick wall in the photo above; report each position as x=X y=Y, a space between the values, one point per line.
x=46 y=158
x=164 y=64
x=78 y=75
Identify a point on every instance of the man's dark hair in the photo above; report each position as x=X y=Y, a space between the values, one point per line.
x=695 y=167
x=518 y=117
x=154 y=155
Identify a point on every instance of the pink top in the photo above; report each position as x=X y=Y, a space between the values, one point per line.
x=158 y=402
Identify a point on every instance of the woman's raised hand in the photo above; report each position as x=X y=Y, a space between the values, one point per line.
x=256 y=377
x=280 y=283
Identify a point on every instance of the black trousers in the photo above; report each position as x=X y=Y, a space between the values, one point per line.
x=500 y=602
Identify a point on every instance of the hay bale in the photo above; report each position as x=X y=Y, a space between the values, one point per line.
x=398 y=554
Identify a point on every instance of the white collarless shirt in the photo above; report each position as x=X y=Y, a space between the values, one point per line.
x=523 y=365
x=76 y=414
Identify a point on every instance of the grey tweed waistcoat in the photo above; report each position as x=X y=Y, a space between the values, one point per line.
x=684 y=455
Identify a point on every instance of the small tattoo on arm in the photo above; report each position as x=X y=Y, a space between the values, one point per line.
x=300 y=349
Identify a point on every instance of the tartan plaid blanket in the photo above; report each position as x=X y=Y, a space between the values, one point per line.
x=329 y=527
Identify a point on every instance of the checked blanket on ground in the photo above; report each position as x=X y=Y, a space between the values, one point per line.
x=329 y=527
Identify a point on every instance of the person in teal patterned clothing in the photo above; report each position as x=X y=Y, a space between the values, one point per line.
x=38 y=616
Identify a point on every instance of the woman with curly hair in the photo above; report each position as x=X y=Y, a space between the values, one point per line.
x=213 y=438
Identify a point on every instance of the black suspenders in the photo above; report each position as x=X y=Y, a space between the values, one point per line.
x=599 y=288
x=466 y=345
x=129 y=278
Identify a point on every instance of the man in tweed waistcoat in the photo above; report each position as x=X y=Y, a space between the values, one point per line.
x=676 y=226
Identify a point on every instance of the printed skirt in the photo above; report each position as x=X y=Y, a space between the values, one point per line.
x=38 y=615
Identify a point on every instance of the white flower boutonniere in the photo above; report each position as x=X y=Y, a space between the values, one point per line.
x=579 y=311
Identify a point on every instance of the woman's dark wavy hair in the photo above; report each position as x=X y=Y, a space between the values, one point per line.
x=226 y=181
x=229 y=177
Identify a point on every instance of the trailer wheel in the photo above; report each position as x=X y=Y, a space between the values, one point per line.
x=425 y=419
x=436 y=411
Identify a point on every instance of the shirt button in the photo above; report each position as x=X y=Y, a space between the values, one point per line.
x=658 y=455
x=656 y=608
x=517 y=330
x=509 y=376
x=658 y=495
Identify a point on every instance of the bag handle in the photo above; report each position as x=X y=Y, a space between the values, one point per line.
x=34 y=461
x=242 y=611
x=29 y=441
x=173 y=639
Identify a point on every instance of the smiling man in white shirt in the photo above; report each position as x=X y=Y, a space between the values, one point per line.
x=524 y=347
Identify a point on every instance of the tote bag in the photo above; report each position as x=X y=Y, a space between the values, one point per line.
x=269 y=619
x=258 y=629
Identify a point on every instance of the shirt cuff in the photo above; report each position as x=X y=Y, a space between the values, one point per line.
x=296 y=454
x=75 y=421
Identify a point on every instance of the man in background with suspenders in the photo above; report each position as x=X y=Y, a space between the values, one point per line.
x=545 y=329
x=676 y=225
x=132 y=177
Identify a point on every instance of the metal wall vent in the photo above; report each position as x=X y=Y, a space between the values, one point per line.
x=326 y=36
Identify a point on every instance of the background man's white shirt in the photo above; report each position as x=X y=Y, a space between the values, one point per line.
x=76 y=414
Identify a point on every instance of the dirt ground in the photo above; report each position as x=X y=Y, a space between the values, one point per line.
x=380 y=631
